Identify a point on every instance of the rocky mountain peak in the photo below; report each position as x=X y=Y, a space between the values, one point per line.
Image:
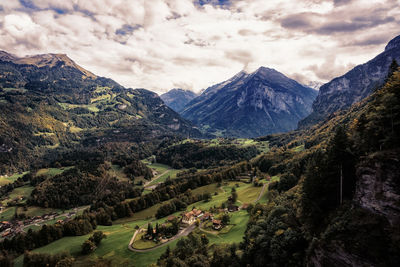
x=46 y=60
x=249 y=105
x=394 y=43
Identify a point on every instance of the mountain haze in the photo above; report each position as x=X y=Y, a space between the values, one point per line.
x=177 y=98
x=251 y=104
x=355 y=85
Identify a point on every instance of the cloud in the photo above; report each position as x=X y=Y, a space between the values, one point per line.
x=330 y=68
x=162 y=44
x=341 y=2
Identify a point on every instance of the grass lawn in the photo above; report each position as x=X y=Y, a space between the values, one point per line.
x=140 y=243
x=10 y=179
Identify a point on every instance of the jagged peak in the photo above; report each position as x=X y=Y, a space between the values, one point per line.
x=394 y=43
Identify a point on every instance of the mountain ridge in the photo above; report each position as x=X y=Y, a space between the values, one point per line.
x=251 y=104
x=177 y=98
x=49 y=109
x=358 y=83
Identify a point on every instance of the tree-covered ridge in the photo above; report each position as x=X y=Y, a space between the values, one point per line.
x=201 y=155
x=48 y=110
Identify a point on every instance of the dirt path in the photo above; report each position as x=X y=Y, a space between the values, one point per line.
x=184 y=232
x=261 y=193
x=155 y=178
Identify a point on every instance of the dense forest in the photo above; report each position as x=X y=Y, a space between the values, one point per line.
x=201 y=155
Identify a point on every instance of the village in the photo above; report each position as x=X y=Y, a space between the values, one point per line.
x=10 y=228
x=175 y=226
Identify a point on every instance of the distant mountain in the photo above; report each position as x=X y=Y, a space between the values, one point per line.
x=355 y=85
x=49 y=104
x=251 y=104
x=177 y=98
x=314 y=85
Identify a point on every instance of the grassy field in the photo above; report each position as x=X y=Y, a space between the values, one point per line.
x=169 y=173
x=114 y=247
x=7 y=214
x=10 y=179
x=118 y=172
x=23 y=191
x=52 y=171
x=235 y=234
x=248 y=193
x=140 y=243
x=160 y=168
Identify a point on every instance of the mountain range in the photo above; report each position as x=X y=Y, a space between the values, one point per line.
x=251 y=104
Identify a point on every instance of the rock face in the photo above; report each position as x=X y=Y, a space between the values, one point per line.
x=358 y=83
x=251 y=104
x=378 y=187
x=177 y=98
x=364 y=237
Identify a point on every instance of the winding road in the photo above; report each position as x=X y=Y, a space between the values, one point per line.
x=183 y=232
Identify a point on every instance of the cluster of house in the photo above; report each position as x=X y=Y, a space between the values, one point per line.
x=191 y=216
x=8 y=229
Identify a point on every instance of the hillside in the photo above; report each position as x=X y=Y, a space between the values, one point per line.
x=48 y=104
x=355 y=85
x=251 y=104
x=177 y=98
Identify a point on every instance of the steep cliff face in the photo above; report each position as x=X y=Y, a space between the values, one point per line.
x=378 y=186
x=355 y=85
x=367 y=233
x=251 y=104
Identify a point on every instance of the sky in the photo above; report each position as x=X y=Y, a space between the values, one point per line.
x=165 y=44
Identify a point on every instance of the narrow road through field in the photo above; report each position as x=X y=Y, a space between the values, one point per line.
x=261 y=193
x=155 y=178
x=184 y=232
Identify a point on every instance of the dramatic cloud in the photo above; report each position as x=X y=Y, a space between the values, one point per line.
x=162 y=44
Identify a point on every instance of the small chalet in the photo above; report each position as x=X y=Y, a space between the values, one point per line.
x=190 y=217
x=233 y=208
x=217 y=224
x=206 y=216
